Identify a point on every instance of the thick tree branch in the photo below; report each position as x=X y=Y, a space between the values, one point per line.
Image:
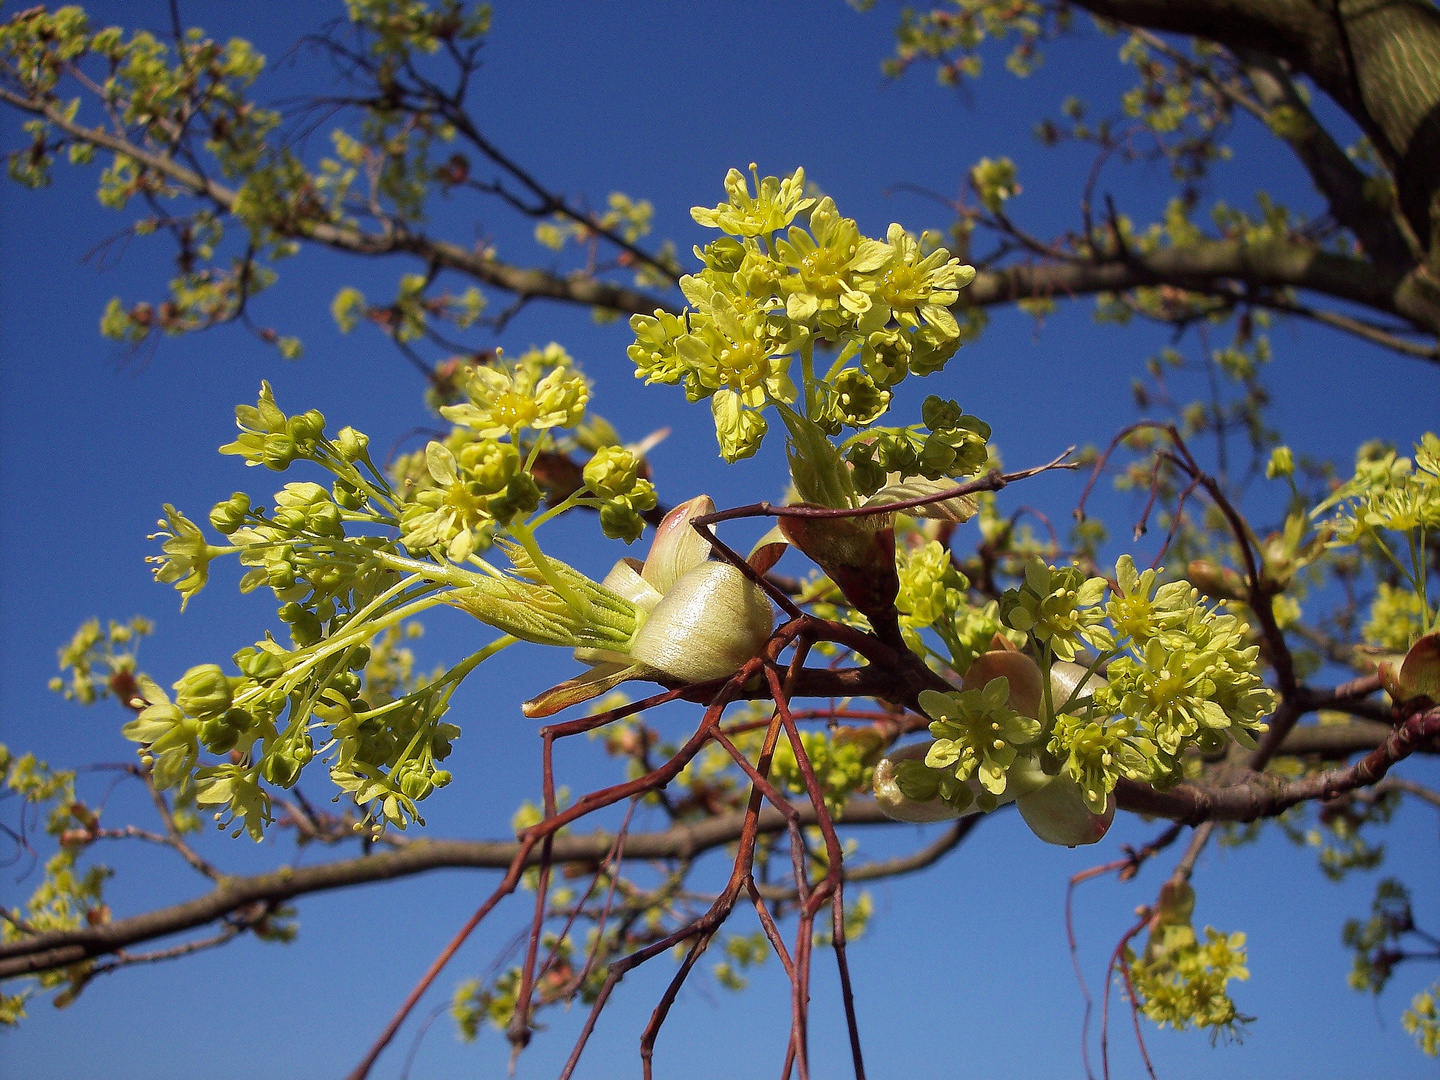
x=1265 y=795
x=1203 y=265
x=1337 y=177
x=1378 y=59
x=685 y=841
x=58 y=949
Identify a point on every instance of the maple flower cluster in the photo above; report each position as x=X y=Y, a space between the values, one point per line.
x=771 y=290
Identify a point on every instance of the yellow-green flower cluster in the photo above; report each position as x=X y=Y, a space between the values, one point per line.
x=1194 y=684
x=185 y=555
x=536 y=394
x=1396 y=618
x=765 y=296
x=458 y=510
x=1422 y=1020
x=613 y=474
x=1182 y=981
x=1138 y=611
x=955 y=445
x=1390 y=493
x=842 y=763
x=931 y=589
x=1096 y=752
x=101 y=662
x=976 y=734
x=1059 y=607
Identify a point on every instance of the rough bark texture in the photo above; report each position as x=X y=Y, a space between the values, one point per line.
x=1378 y=59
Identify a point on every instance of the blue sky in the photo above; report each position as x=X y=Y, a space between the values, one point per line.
x=964 y=971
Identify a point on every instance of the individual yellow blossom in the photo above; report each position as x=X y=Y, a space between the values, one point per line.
x=504 y=401
x=773 y=206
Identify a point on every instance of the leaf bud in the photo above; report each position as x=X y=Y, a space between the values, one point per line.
x=709 y=623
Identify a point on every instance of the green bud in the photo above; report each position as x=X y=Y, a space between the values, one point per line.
x=348 y=497
x=620 y=522
x=358 y=657
x=489 y=465
x=347 y=683
x=351 y=444
x=521 y=496
x=325 y=520
x=230 y=514
x=304 y=625
x=280 y=769
x=278 y=452
x=218 y=736
x=1282 y=463
x=415 y=784
x=936 y=457
x=886 y=356
x=222 y=733
x=290 y=518
x=724 y=255
x=858 y=399
x=307 y=427
x=939 y=414
x=280 y=573
x=440 y=778
x=868 y=474
x=260 y=664
x=612 y=472
x=204 y=691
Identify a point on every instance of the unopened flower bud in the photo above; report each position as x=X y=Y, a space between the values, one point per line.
x=612 y=472
x=278 y=452
x=230 y=514
x=260 y=664
x=204 y=691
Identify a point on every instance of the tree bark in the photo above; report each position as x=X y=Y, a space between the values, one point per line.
x=1379 y=60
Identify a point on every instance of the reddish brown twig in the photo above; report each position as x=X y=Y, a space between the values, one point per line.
x=991 y=481
x=1117 y=959
x=1128 y=867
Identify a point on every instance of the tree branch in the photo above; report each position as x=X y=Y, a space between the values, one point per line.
x=1337 y=177
x=1201 y=265
x=57 y=949
x=1379 y=61
x=525 y=282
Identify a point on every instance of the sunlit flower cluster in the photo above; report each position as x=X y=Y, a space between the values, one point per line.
x=764 y=297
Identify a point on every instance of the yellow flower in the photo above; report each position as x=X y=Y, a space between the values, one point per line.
x=774 y=205
x=915 y=287
x=504 y=401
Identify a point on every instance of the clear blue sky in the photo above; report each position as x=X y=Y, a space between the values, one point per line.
x=964 y=971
